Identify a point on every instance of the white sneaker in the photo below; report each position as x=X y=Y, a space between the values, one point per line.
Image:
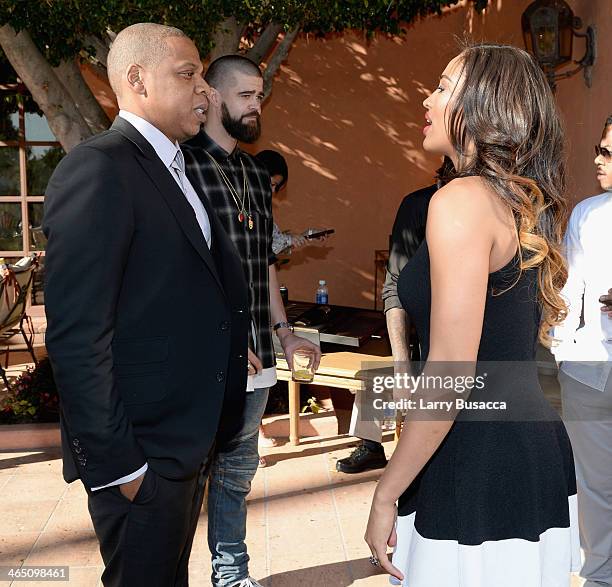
x=248 y=582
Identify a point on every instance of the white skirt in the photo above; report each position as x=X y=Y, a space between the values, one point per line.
x=497 y=563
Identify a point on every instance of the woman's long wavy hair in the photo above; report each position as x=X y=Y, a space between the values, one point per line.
x=503 y=124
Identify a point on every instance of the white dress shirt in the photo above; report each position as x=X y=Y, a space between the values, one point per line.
x=266 y=378
x=166 y=150
x=585 y=353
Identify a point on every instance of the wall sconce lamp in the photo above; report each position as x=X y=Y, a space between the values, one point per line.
x=549 y=28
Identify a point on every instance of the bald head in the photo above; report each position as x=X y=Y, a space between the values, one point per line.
x=221 y=73
x=143 y=44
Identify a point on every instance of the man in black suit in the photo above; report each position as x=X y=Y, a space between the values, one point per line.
x=147 y=310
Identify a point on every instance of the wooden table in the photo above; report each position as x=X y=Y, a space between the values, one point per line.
x=337 y=369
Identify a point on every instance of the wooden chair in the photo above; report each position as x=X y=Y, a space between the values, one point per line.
x=15 y=290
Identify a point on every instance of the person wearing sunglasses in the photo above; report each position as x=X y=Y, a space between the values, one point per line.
x=584 y=354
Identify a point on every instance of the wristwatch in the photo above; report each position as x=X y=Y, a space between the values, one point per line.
x=282 y=325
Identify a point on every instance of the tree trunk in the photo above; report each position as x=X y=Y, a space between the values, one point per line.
x=72 y=79
x=260 y=49
x=63 y=117
x=101 y=49
x=226 y=38
x=279 y=55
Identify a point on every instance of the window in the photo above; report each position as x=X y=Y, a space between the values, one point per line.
x=28 y=155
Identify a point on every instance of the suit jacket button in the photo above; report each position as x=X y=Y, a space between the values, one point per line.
x=220 y=377
x=224 y=325
x=76 y=442
x=77 y=449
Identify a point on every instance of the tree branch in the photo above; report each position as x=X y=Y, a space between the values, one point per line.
x=279 y=55
x=71 y=77
x=65 y=121
x=226 y=37
x=263 y=45
x=100 y=47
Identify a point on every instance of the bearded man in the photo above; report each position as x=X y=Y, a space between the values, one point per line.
x=238 y=189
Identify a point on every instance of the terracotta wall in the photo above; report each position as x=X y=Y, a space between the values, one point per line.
x=347 y=114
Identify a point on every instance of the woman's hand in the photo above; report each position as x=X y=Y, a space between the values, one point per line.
x=380 y=533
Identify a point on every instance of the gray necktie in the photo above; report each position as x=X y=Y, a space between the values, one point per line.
x=178 y=164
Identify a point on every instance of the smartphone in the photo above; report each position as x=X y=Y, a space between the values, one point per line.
x=320 y=233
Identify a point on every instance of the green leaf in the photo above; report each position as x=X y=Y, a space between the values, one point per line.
x=60 y=28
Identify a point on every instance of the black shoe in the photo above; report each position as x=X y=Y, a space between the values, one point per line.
x=362 y=459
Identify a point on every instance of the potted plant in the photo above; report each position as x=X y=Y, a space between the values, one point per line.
x=33 y=397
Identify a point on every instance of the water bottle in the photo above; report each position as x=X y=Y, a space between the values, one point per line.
x=322 y=296
x=284 y=292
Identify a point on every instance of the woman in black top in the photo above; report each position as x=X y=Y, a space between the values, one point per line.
x=487 y=496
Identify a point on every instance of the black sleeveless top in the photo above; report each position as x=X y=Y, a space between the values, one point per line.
x=497 y=474
x=512 y=312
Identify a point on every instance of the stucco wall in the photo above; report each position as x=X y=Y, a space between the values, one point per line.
x=347 y=114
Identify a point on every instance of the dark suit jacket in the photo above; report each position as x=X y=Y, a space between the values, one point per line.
x=147 y=327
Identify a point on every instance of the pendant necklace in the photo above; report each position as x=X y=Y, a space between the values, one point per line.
x=246 y=195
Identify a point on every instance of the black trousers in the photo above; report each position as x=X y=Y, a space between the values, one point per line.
x=147 y=542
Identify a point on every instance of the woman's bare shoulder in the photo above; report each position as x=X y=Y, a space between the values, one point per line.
x=464 y=201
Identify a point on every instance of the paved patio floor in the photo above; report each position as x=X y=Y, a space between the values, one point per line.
x=305 y=525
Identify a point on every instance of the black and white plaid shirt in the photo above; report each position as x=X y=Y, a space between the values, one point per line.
x=254 y=246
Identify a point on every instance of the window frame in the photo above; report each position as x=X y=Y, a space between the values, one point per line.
x=23 y=197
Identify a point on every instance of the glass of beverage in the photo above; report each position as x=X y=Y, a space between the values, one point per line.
x=303 y=366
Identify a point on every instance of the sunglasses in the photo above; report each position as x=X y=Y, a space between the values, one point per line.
x=605 y=153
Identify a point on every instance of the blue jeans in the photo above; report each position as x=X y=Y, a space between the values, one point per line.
x=232 y=470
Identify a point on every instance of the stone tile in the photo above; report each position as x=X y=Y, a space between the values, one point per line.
x=199 y=575
x=353 y=528
x=75 y=490
x=307 y=500
x=31 y=488
x=258 y=491
x=310 y=564
x=70 y=516
x=351 y=496
x=25 y=516
x=69 y=547
x=6 y=472
x=44 y=461
x=79 y=577
x=5 y=477
x=15 y=547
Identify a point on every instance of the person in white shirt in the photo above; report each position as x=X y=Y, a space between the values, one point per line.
x=583 y=350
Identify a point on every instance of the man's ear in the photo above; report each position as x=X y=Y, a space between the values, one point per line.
x=214 y=97
x=134 y=78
